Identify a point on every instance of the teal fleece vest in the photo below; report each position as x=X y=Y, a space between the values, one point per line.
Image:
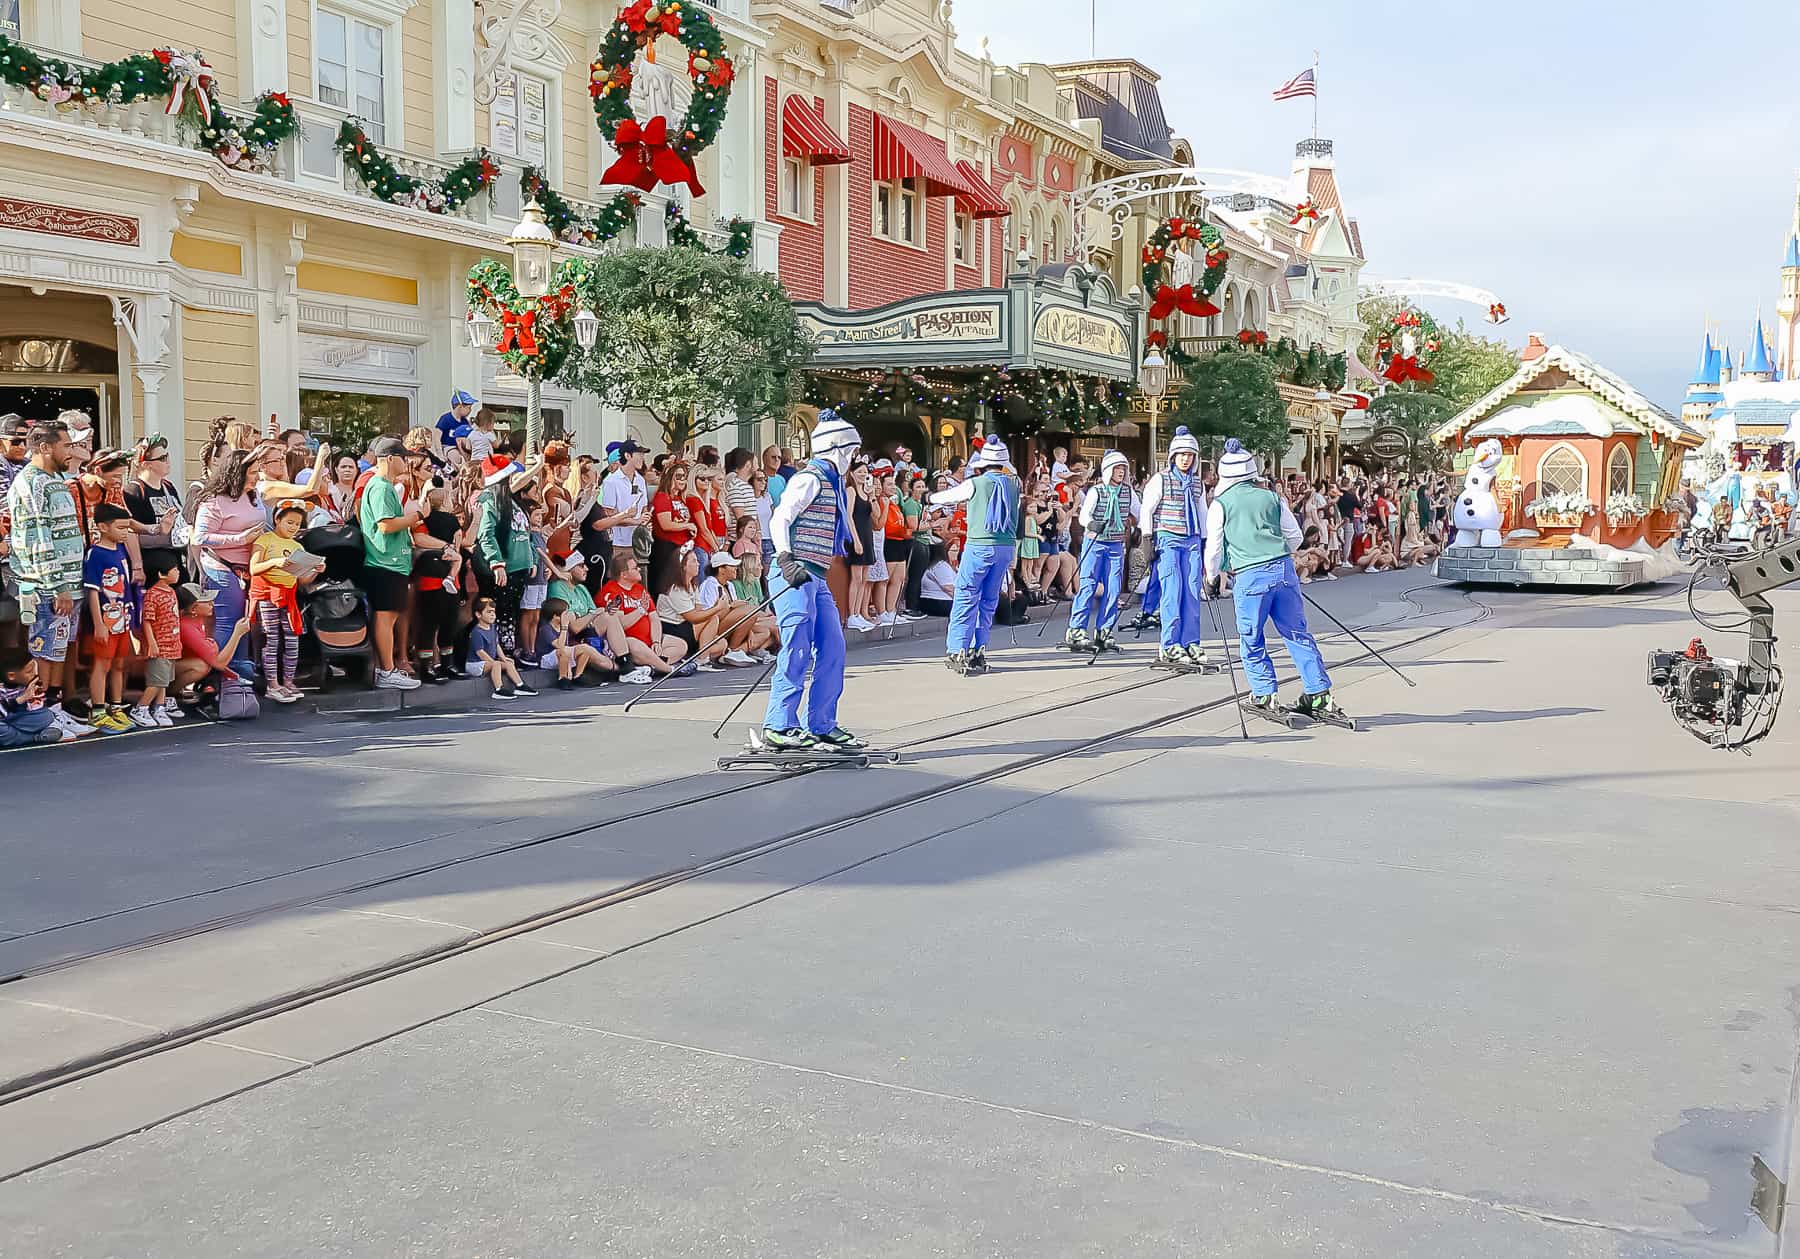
x=989 y=487
x=1252 y=527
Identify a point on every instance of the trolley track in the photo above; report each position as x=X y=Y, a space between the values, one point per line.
x=707 y=781
x=164 y=1041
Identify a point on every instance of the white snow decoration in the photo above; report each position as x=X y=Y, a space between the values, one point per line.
x=1585 y=411
x=1659 y=562
x=1477 y=511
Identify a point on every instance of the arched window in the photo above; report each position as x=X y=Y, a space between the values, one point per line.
x=1562 y=470
x=1053 y=251
x=1618 y=472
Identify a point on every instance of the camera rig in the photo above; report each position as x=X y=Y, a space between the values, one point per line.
x=1730 y=703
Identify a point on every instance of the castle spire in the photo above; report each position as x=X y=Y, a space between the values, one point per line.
x=1756 y=358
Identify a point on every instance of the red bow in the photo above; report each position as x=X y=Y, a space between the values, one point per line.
x=646 y=160
x=518 y=331
x=1157 y=340
x=1497 y=313
x=1170 y=299
x=1403 y=369
x=1304 y=213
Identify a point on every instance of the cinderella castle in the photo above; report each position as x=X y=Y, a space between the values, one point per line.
x=1749 y=408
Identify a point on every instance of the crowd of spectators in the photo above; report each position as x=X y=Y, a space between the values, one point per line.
x=445 y=554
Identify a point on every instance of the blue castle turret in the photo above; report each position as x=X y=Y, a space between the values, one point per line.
x=1756 y=364
x=1703 y=392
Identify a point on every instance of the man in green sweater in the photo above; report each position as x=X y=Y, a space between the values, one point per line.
x=387 y=557
x=1251 y=534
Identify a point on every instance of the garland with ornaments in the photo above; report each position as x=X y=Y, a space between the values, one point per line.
x=460 y=185
x=182 y=79
x=658 y=152
x=1293 y=366
x=1188 y=299
x=620 y=213
x=1405 y=346
x=535 y=332
x=1021 y=403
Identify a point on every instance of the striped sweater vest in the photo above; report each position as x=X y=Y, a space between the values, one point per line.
x=818 y=533
x=1112 y=507
x=1172 y=512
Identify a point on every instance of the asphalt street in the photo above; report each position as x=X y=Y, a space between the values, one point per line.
x=1511 y=973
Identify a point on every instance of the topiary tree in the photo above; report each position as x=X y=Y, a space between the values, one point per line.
x=696 y=339
x=1231 y=393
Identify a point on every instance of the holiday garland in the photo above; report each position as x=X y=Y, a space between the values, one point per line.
x=567 y=222
x=535 y=332
x=737 y=245
x=460 y=185
x=1074 y=403
x=648 y=153
x=183 y=78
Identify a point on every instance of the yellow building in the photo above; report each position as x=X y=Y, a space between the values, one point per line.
x=145 y=279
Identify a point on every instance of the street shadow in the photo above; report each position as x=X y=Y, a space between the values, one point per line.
x=1471 y=717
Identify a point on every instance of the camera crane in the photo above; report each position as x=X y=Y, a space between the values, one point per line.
x=1731 y=703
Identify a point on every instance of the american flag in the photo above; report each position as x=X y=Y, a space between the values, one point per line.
x=1302 y=84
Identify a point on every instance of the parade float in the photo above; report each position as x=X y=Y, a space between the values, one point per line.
x=1567 y=469
x=1750 y=451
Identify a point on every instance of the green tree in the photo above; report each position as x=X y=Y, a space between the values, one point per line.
x=1418 y=414
x=1468 y=366
x=1231 y=393
x=696 y=339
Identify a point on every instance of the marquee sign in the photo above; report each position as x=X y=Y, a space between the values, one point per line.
x=1064 y=328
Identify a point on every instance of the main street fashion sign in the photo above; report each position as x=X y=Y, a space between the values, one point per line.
x=916 y=327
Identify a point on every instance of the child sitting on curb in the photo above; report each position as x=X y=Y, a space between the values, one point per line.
x=487 y=659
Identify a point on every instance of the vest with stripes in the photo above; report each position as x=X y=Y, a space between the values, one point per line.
x=1109 y=499
x=817 y=536
x=1172 y=512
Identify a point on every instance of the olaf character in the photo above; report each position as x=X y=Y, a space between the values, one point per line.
x=1477 y=512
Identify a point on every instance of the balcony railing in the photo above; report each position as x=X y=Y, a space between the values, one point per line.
x=143 y=118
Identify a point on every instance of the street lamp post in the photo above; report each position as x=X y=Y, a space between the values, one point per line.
x=533 y=247
x=1153 y=382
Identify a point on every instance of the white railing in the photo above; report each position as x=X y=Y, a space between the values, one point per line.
x=143 y=118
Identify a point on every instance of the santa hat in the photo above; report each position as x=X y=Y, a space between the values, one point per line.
x=1235 y=465
x=495 y=469
x=1183 y=440
x=1112 y=459
x=994 y=454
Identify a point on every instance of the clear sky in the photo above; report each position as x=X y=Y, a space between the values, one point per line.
x=1616 y=171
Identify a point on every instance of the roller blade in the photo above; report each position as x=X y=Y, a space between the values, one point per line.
x=1184 y=666
x=1331 y=716
x=794 y=762
x=1280 y=715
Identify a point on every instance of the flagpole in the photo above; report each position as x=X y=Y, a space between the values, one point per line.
x=1315 y=94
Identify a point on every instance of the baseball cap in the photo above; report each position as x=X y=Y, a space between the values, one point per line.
x=13 y=425
x=724 y=559
x=382 y=447
x=881 y=467
x=192 y=592
x=463 y=398
x=629 y=447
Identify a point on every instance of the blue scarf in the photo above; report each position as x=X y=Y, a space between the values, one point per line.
x=1186 y=484
x=828 y=474
x=999 y=513
x=1115 y=513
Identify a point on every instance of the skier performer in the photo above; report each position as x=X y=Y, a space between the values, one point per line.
x=1251 y=534
x=1175 y=507
x=992 y=493
x=1107 y=510
x=810 y=527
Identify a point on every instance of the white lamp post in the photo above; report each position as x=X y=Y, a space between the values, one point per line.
x=1153 y=382
x=533 y=247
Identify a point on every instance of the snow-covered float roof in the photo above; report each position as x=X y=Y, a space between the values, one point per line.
x=1564 y=415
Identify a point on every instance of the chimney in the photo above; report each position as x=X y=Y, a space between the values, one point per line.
x=1534 y=348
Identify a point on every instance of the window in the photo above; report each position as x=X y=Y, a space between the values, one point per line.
x=965 y=241
x=9 y=18
x=1562 y=471
x=796 y=188
x=899 y=212
x=519 y=119
x=1053 y=249
x=352 y=69
x=1618 y=472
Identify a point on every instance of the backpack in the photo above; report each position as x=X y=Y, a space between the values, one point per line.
x=237 y=701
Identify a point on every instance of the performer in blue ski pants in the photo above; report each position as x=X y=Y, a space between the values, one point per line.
x=978 y=580
x=808 y=618
x=1271 y=592
x=1102 y=586
x=1180 y=568
x=1152 y=597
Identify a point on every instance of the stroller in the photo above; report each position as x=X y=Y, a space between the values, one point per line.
x=334 y=611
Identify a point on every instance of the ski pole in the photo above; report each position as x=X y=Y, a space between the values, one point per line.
x=1230 y=665
x=1359 y=639
x=754 y=688
x=699 y=652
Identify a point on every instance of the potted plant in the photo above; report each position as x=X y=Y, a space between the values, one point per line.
x=1559 y=511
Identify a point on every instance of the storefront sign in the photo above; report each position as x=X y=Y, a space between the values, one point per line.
x=942 y=323
x=1390 y=442
x=1064 y=328
x=352 y=358
x=56 y=220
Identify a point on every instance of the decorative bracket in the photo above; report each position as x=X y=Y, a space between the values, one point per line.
x=145 y=321
x=524 y=33
x=1112 y=199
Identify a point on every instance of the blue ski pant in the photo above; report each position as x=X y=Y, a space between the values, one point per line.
x=1180 y=571
x=1102 y=585
x=978 y=580
x=1271 y=592
x=811 y=634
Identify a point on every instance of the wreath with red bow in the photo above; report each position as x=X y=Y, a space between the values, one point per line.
x=1189 y=299
x=658 y=151
x=536 y=333
x=1393 y=362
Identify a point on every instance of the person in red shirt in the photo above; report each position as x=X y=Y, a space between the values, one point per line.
x=647 y=645
x=200 y=655
x=671 y=523
x=707 y=506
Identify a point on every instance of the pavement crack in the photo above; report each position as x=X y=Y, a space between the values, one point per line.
x=1516 y=1209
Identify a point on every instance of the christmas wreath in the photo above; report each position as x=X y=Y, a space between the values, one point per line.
x=658 y=152
x=460 y=185
x=534 y=331
x=1405 y=346
x=183 y=78
x=1189 y=299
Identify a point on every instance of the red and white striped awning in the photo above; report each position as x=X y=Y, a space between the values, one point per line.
x=905 y=152
x=805 y=133
x=981 y=201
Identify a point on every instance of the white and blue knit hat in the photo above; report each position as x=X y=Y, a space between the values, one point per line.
x=1112 y=459
x=993 y=453
x=1235 y=465
x=833 y=432
x=1183 y=440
